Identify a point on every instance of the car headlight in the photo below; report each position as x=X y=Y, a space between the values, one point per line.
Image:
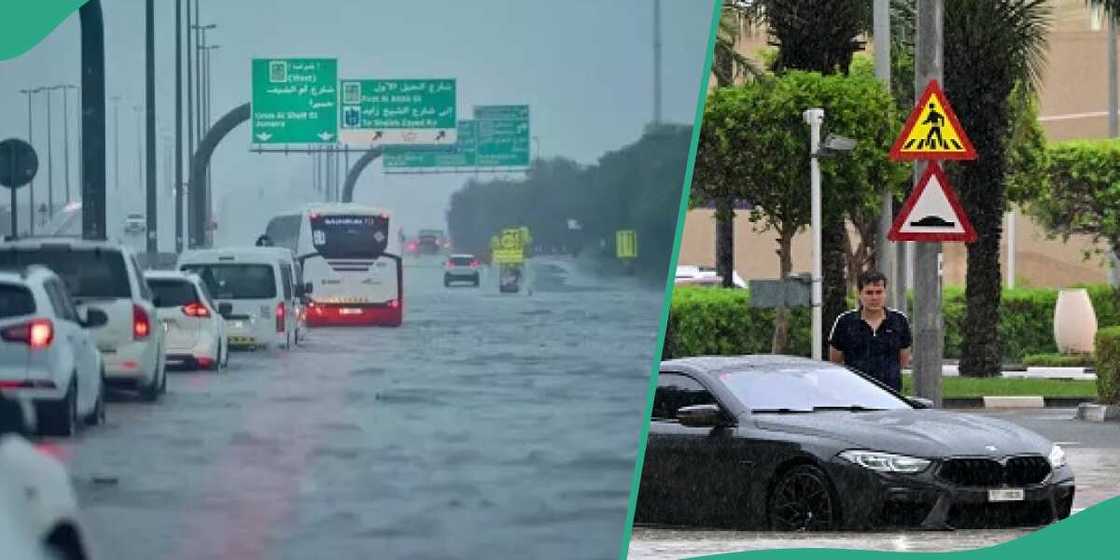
x=1057 y=457
x=886 y=462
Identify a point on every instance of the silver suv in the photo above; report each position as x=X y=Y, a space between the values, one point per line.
x=461 y=268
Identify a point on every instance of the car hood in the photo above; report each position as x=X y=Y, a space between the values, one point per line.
x=919 y=433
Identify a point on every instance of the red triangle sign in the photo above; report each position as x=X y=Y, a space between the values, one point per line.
x=932 y=131
x=933 y=212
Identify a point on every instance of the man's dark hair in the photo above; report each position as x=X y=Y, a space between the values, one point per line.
x=871 y=277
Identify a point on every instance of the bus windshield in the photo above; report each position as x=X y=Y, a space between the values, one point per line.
x=340 y=236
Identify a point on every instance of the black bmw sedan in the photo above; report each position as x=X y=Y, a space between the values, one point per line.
x=790 y=444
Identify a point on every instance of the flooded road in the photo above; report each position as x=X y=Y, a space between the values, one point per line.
x=489 y=425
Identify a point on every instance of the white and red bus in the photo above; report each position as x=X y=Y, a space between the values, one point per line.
x=349 y=260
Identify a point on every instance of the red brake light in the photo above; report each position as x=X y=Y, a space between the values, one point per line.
x=474 y=263
x=38 y=333
x=280 y=317
x=141 y=326
x=195 y=309
x=394 y=304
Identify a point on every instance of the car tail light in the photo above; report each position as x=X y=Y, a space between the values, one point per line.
x=280 y=317
x=141 y=326
x=38 y=333
x=474 y=263
x=394 y=304
x=28 y=384
x=205 y=363
x=195 y=309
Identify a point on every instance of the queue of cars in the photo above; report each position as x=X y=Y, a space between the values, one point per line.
x=79 y=316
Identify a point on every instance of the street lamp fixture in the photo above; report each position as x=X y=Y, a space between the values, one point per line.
x=832 y=145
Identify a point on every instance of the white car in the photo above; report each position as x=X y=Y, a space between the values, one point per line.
x=46 y=352
x=107 y=276
x=135 y=223
x=704 y=276
x=39 y=516
x=196 y=332
x=258 y=286
x=461 y=268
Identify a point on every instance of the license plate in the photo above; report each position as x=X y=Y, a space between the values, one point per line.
x=1006 y=495
x=351 y=311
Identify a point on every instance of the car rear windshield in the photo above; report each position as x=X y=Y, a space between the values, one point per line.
x=173 y=293
x=461 y=261
x=88 y=273
x=236 y=281
x=15 y=301
x=808 y=389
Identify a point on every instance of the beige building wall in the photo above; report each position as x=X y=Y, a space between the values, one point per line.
x=1073 y=104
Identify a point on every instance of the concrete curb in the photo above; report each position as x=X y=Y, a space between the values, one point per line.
x=1034 y=402
x=1090 y=412
x=1014 y=402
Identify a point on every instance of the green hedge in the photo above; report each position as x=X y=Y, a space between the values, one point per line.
x=1059 y=360
x=1108 y=365
x=719 y=321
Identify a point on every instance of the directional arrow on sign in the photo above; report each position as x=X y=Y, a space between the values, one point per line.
x=264 y=136
x=325 y=136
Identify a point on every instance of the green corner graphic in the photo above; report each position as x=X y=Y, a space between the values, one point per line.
x=26 y=23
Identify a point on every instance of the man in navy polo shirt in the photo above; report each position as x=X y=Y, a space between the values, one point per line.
x=873 y=338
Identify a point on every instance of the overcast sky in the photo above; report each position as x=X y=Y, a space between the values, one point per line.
x=585 y=68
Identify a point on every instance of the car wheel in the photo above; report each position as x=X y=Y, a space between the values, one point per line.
x=225 y=356
x=803 y=500
x=446 y=282
x=163 y=377
x=98 y=415
x=62 y=419
x=154 y=389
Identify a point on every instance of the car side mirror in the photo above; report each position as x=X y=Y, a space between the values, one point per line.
x=700 y=416
x=919 y=402
x=307 y=288
x=94 y=318
x=225 y=309
x=17 y=416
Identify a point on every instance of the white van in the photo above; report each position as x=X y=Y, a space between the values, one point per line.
x=255 y=289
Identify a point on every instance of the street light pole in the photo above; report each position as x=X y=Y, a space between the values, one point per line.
x=50 y=167
x=30 y=138
x=177 y=185
x=116 y=142
x=815 y=118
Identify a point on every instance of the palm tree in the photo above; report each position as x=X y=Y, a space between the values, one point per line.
x=989 y=47
x=728 y=65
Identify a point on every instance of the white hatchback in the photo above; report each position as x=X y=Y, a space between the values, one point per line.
x=46 y=352
x=196 y=332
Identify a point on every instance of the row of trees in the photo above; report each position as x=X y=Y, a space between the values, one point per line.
x=754 y=145
x=636 y=187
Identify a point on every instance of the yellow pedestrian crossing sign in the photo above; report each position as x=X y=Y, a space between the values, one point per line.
x=626 y=244
x=932 y=131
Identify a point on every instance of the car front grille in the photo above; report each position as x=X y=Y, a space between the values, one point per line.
x=1016 y=471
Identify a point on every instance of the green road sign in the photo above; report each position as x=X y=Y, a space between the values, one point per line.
x=374 y=112
x=461 y=154
x=503 y=135
x=295 y=100
x=626 y=244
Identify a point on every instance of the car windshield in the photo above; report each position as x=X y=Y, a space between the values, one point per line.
x=88 y=273
x=15 y=301
x=236 y=281
x=173 y=293
x=461 y=261
x=808 y=389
